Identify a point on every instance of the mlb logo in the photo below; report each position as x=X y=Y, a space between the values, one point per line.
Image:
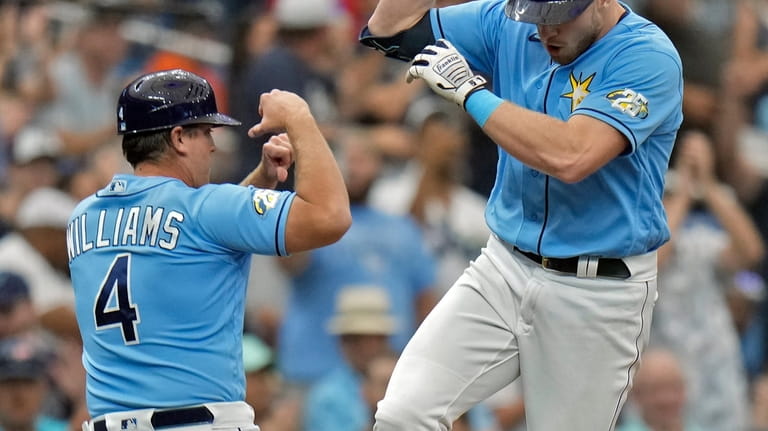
x=128 y=424
x=117 y=186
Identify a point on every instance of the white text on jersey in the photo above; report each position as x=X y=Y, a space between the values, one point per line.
x=152 y=227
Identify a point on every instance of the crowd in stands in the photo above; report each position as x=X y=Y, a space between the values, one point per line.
x=324 y=328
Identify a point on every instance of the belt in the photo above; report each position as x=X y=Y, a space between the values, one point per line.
x=170 y=418
x=606 y=267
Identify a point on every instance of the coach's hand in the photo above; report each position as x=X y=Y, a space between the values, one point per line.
x=446 y=71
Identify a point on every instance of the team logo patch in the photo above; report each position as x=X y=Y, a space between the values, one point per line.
x=579 y=89
x=629 y=102
x=264 y=200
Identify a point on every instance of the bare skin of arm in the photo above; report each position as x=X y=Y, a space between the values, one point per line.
x=567 y=150
x=320 y=212
x=276 y=158
x=394 y=16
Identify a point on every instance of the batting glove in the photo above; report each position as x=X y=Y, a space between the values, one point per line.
x=446 y=72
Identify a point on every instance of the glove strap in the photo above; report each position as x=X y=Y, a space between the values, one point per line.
x=474 y=83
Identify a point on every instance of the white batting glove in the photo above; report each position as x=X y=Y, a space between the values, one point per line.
x=446 y=72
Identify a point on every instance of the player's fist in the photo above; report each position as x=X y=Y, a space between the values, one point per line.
x=277 y=157
x=277 y=109
x=446 y=72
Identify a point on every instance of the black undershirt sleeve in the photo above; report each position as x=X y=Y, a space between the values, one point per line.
x=404 y=45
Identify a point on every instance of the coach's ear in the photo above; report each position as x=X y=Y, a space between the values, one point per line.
x=177 y=140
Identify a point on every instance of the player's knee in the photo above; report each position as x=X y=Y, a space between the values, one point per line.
x=397 y=416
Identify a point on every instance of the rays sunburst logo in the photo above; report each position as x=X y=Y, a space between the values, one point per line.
x=579 y=89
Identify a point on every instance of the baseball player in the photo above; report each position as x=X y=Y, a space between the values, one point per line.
x=584 y=107
x=160 y=259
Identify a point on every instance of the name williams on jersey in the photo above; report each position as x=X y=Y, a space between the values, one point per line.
x=134 y=226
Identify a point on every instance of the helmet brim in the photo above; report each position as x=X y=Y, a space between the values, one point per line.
x=215 y=119
x=545 y=12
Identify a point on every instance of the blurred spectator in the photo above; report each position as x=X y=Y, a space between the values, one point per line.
x=37 y=251
x=760 y=404
x=263 y=389
x=23 y=386
x=27 y=46
x=16 y=310
x=362 y=322
x=100 y=165
x=659 y=395
x=86 y=83
x=431 y=190
x=254 y=35
x=379 y=249
x=712 y=239
x=374 y=383
x=750 y=56
x=739 y=166
x=508 y=407
x=14 y=114
x=191 y=22
x=297 y=62
x=33 y=165
x=702 y=52
x=744 y=295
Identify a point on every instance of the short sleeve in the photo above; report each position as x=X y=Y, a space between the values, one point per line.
x=640 y=95
x=246 y=219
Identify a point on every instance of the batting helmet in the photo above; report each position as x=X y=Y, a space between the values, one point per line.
x=162 y=100
x=546 y=12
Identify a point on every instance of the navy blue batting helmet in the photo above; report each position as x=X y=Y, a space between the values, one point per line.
x=545 y=12
x=161 y=100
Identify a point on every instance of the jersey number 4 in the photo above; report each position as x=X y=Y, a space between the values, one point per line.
x=113 y=307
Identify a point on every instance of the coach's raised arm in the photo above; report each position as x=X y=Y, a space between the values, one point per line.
x=320 y=213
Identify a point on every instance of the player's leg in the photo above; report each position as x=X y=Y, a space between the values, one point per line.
x=462 y=353
x=582 y=350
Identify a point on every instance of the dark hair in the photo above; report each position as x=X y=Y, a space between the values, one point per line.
x=150 y=146
x=146 y=146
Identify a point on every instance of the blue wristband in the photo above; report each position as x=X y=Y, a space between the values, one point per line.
x=481 y=104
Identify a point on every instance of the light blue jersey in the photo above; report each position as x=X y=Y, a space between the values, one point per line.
x=631 y=79
x=147 y=255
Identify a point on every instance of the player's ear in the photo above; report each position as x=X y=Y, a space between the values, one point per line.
x=177 y=139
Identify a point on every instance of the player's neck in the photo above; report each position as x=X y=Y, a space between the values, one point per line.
x=161 y=169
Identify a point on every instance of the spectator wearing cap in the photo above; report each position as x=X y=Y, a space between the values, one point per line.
x=33 y=164
x=263 y=389
x=23 y=386
x=37 y=251
x=16 y=309
x=362 y=322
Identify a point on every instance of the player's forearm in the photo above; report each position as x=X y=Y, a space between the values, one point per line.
x=259 y=178
x=394 y=16
x=565 y=150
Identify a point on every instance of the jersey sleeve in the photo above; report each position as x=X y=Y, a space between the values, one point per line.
x=473 y=28
x=246 y=219
x=642 y=92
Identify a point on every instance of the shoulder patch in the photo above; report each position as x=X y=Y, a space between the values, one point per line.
x=629 y=102
x=264 y=200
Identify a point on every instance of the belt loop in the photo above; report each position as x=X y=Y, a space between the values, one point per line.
x=587 y=267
